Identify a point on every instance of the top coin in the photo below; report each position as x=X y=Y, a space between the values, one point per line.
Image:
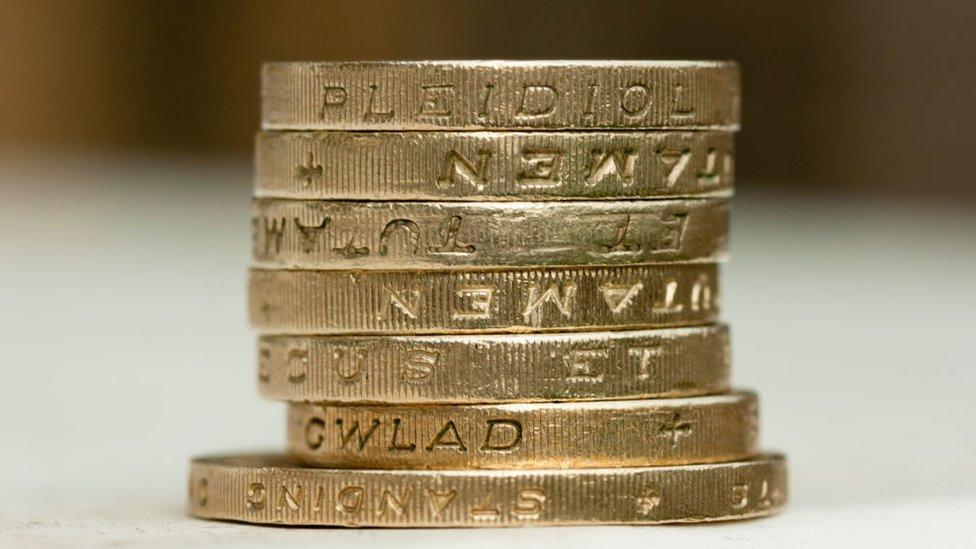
x=485 y=95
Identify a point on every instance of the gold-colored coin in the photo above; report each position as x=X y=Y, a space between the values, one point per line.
x=475 y=95
x=511 y=300
x=562 y=435
x=446 y=369
x=270 y=489
x=492 y=165
x=306 y=234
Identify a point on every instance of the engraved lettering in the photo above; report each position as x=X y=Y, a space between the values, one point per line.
x=437 y=101
x=485 y=102
x=475 y=303
x=676 y=162
x=648 y=501
x=537 y=101
x=405 y=301
x=395 y=503
x=314 y=433
x=350 y=499
x=348 y=363
x=644 y=356
x=451 y=244
x=674 y=428
x=255 y=233
x=332 y=96
x=562 y=296
x=540 y=169
x=440 y=500
x=297 y=361
x=620 y=296
x=310 y=233
x=710 y=175
x=727 y=166
x=308 y=171
x=764 y=499
x=319 y=499
x=581 y=365
x=618 y=246
x=419 y=365
x=499 y=444
x=351 y=250
x=362 y=437
x=458 y=169
x=447 y=437
x=681 y=111
x=266 y=309
x=740 y=496
x=620 y=164
x=669 y=304
x=200 y=492
x=400 y=225
x=775 y=494
x=485 y=512
x=590 y=103
x=257 y=496
x=635 y=100
x=288 y=499
x=371 y=113
x=274 y=232
x=701 y=294
x=264 y=364
x=752 y=419
x=395 y=445
x=674 y=233
x=528 y=504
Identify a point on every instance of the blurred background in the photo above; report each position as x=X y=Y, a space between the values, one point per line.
x=874 y=95
x=125 y=137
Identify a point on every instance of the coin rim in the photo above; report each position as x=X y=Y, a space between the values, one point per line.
x=715 y=410
x=281 y=390
x=278 y=464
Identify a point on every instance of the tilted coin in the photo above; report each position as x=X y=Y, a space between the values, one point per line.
x=270 y=489
x=312 y=234
x=605 y=433
x=510 y=300
x=492 y=165
x=447 y=369
x=471 y=95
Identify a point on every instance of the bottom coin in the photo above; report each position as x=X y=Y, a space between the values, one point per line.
x=270 y=489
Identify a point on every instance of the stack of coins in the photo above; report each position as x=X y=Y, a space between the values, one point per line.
x=488 y=292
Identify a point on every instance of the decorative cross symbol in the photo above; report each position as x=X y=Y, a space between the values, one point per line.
x=305 y=172
x=674 y=429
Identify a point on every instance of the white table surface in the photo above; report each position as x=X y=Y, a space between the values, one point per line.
x=126 y=351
